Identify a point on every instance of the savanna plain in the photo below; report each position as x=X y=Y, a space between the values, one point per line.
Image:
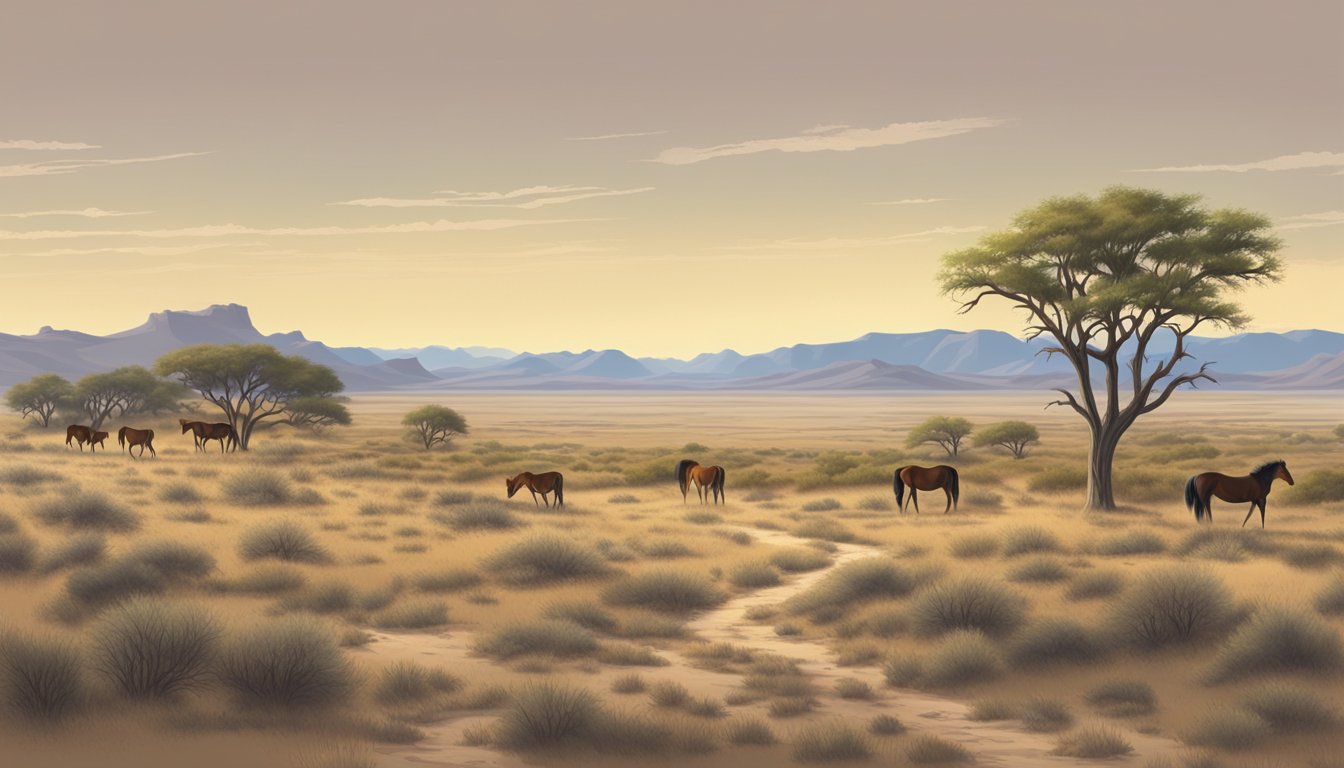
x=346 y=599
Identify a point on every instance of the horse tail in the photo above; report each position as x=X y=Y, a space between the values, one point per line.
x=68 y=435
x=955 y=486
x=898 y=487
x=121 y=437
x=559 y=490
x=1192 y=500
x=683 y=473
x=718 y=483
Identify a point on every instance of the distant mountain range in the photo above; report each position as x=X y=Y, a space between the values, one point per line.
x=941 y=360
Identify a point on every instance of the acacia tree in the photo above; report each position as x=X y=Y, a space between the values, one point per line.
x=250 y=383
x=947 y=431
x=1013 y=435
x=40 y=396
x=314 y=412
x=121 y=392
x=1106 y=277
x=435 y=424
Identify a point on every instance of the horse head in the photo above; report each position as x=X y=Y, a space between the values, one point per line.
x=186 y=425
x=1283 y=473
x=509 y=484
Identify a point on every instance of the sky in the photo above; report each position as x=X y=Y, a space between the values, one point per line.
x=663 y=178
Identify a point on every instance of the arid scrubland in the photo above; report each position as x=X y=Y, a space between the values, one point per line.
x=350 y=599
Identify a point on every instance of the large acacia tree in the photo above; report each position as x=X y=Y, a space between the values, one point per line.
x=249 y=382
x=1106 y=278
x=121 y=392
x=40 y=396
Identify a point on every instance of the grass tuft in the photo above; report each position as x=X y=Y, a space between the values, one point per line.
x=149 y=648
x=1278 y=640
x=1093 y=742
x=88 y=510
x=925 y=749
x=282 y=540
x=666 y=591
x=545 y=559
x=286 y=663
x=970 y=602
x=1172 y=605
x=828 y=742
x=41 y=678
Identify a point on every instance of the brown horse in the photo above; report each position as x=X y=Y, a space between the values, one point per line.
x=97 y=438
x=707 y=480
x=1200 y=489
x=543 y=483
x=926 y=479
x=129 y=437
x=202 y=433
x=80 y=434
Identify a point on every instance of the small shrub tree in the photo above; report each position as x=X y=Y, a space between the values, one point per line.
x=40 y=396
x=947 y=431
x=433 y=425
x=1013 y=435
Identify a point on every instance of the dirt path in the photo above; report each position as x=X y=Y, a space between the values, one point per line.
x=993 y=743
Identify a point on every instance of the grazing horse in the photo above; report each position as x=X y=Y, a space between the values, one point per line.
x=1200 y=489
x=129 y=437
x=543 y=483
x=80 y=434
x=203 y=433
x=97 y=438
x=926 y=479
x=707 y=480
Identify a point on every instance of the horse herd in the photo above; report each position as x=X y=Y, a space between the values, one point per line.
x=1200 y=489
x=708 y=481
x=130 y=437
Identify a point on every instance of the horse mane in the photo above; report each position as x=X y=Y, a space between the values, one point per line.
x=683 y=467
x=1266 y=471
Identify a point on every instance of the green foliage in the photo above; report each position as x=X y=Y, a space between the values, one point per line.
x=121 y=392
x=433 y=425
x=946 y=431
x=40 y=396
x=1013 y=435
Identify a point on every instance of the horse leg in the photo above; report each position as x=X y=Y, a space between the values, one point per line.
x=534 y=498
x=1262 y=513
x=914 y=496
x=1249 y=512
x=947 y=491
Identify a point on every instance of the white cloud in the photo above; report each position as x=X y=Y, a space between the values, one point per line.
x=45 y=145
x=606 y=136
x=527 y=198
x=834 y=138
x=55 y=167
x=844 y=243
x=144 y=250
x=88 y=213
x=1311 y=220
x=915 y=201
x=1300 y=161
x=224 y=230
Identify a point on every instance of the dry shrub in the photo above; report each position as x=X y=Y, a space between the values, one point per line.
x=286 y=663
x=830 y=741
x=1123 y=698
x=83 y=510
x=40 y=678
x=962 y=657
x=547 y=636
x=1278 y=640
x=1093 y=742
x=150 y=648
x=282 y=540
x=546 y=558
x=666 y=591
x=854 y=582
x=925 y=748
x=1172 y=605
x=970 y=602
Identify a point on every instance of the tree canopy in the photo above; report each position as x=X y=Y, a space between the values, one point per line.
x=40 y=396
x=316 y=412
x=1013 y=435
x=250 y=383
x=121 y=392
x=947 y=431
x=435 y=424
x=1108 y=276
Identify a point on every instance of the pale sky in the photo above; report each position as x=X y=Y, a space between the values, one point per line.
x=664 y=178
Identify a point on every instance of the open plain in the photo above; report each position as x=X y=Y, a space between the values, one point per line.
x=347 y=599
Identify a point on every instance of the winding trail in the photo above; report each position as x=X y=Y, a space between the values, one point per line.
x=993 y=743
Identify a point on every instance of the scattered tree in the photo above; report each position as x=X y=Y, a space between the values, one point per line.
x=314 y=412
x=1105 y=277
x=947 y=431
x=435 y=424
x=40 y=396
x=120 y=392
x=250 y=383
x=1013 y=435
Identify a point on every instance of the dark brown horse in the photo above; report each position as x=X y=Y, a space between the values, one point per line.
x=80 y=434
x=707 y=480
x=926 y=479
x=1200 y=489
x=97 y=438
x=129 y=437
x=543 y=483
x=203 y=433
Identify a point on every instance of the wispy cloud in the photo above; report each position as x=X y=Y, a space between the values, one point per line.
x=832 y=138
x=54 y=167
x=144 y=250
x=1299 y=161
x=527 y=198
x=915 y=201
x=1311 y=220
x=224 y=230
x=606 y=136
x=30 y=144
x=845 y=243
x=88 y=213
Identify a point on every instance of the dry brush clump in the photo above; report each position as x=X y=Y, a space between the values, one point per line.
x=150 y=648
x=41 y=678
x=18 y=553
x=550 y=637
x=1172 y=605
x=665 y=591
x=88 y=510
x=286 y=663
x=799 y=560
x=1290 y=710
x=961 y=658
x=1029 y=539
x=146 y=569
x=1330 y=600
x=412 y=613
x=449 y=580
x=282 y=540
x=1123 y=698
x=83 y=548
x=830 y=741
x=970 y=602
x=1095 y=585
x=258 y=488
x=862 y=580
x=546 y=558
x=1053 y=640
x=478 y=515
x=1093 y=742
x=406 y=682
x=1278 y=640
x=926 y=749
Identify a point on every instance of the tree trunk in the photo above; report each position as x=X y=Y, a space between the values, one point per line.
x=1100 y=456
